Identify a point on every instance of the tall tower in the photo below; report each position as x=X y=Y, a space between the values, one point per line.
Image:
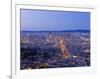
x=49 y=39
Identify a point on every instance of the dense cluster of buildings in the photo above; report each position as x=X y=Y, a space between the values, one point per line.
x=54 y=49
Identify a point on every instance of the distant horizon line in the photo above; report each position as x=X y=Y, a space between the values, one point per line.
x=88 y=30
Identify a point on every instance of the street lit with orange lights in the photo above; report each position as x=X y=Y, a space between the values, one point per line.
x=54 y=49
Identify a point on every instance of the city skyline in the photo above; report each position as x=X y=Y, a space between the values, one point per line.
x=45 y=20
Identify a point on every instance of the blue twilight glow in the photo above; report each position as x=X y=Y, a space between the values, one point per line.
x=45 y=20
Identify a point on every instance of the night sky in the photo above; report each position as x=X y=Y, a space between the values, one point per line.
x=44 y=20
